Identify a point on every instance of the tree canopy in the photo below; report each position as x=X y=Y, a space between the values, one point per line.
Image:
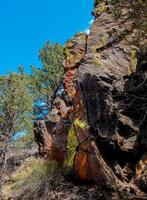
x=16 y=104
x=47 y=79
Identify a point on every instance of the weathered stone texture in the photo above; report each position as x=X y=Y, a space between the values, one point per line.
x=101 y=136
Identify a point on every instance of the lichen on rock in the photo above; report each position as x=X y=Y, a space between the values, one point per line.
x=103 y=136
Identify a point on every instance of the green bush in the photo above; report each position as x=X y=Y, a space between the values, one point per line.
x=25 y=142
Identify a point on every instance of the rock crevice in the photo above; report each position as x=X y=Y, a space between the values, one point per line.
x=98 y=130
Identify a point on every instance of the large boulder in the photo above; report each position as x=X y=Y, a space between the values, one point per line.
x=99 y=130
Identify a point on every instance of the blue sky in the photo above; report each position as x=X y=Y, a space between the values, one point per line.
x=25 y=25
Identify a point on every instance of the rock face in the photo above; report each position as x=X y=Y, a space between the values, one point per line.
x=99 y=128
x=51 y=133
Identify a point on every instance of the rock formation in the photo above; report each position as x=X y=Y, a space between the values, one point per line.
x=98 y=130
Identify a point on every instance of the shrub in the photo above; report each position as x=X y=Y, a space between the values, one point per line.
x=32 y=176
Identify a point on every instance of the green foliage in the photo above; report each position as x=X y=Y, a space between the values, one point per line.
x=25 y=142
x=46 y=80
x=36 y=173
x=16 y=103
x=31 y=177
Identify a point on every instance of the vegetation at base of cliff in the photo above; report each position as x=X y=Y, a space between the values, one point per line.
x=18 y=94
x=37 y=172
x=31 y=176
x=16 y=107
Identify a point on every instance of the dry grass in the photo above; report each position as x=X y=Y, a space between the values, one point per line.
x=31 y=175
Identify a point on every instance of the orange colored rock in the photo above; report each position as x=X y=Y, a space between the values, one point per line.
x=69 y=82
x=89 y=164
x=61 y=108
x=81 y=162
x=43 y=138
x=51 y=133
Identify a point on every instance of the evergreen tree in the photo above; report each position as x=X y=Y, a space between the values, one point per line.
x=47 y=79
x=16 y=106
x=16 y=103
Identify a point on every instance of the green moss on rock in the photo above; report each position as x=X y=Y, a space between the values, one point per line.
x=80 y=123
x=72 y=143
x=100 y=8
x=134 y=60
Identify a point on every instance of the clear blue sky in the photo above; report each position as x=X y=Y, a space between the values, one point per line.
x=25 y=25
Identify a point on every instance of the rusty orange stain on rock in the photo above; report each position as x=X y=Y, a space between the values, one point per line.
x=81 y=163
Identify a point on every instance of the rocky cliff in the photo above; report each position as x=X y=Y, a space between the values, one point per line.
x=98 y=130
